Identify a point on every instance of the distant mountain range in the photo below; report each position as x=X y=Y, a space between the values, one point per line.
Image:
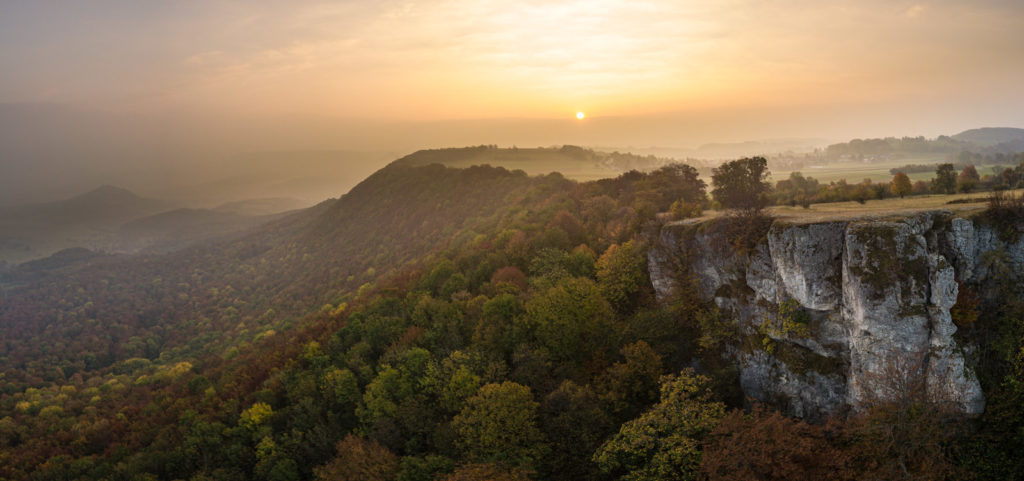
x=115 y=220
x=105 y=206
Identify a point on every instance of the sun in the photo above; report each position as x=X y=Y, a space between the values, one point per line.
x=580 y=115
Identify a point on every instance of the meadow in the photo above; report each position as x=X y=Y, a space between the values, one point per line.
x=959 y=203
x=854 y=171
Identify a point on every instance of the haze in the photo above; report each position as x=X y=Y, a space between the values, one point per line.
x=162 y=97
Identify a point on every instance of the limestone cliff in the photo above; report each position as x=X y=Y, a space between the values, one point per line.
x=872 y=297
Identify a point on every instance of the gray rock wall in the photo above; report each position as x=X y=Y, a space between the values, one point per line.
x=878 y=294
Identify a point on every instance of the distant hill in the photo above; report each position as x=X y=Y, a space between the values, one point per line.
x=178 y=228
x=116 y=220
x=106 y=205
x=264 y=206
x=32 y=270
x=984 y=141
x=571 y=161
x=90 y=220
x=991 y=136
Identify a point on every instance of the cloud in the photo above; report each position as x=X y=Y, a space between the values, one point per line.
x=914 y=11
x=532 y=58
x=205 y=58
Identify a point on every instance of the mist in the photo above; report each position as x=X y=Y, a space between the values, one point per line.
x=179 y=100
x=52 y=151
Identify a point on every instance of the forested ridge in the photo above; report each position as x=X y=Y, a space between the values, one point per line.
x=439 y=323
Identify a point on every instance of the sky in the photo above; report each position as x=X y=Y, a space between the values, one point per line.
x=158 y=81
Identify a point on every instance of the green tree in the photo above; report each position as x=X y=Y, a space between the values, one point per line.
x=797 y=189
x=340 y=389
x=901 y=185
x=1009 y=178
x=549 y=267
x=740 y=184
x=451 y=381
x=572 y=320
x=631 y=384
x=968 y=179
x=664 y=443
x=575 y=424
x=255 y=418
x=395 y=410
x=622 y=275
x=945 y=179
x=486 y=472
x=678 y=182
x=499 y=424
x=424 y=468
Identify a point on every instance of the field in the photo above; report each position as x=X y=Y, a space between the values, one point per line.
x=876 y=209
x=855 y=172
x=886 y=207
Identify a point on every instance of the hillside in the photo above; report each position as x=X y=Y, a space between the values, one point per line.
x=991 y=136
x=219 y=319
x=261 y=206
x=402 y=327
x=983 y=141
x=304 y=259
x=175 y=229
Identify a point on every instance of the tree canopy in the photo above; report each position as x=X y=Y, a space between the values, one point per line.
x=901 y=185
x=945 y=179
x=664 y=443
x=499 y=424
x=740 y=184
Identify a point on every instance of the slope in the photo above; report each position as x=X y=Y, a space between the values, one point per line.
x=991 y=136
x=174 y=229
x=305 y=259
x=139 y=353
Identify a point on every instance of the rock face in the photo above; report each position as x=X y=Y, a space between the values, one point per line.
x=873 y=298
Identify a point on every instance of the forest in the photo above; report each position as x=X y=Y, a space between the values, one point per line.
x=440 y=323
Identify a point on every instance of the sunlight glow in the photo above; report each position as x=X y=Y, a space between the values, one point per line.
x=579 y=115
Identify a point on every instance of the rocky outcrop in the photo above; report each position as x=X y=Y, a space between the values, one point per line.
x=873 y=298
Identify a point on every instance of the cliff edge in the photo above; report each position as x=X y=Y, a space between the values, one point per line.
x=848 y=310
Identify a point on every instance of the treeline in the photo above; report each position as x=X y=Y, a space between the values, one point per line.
x=892 y=145
x=963 y=160
x=616 y=161
x=800 y=190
